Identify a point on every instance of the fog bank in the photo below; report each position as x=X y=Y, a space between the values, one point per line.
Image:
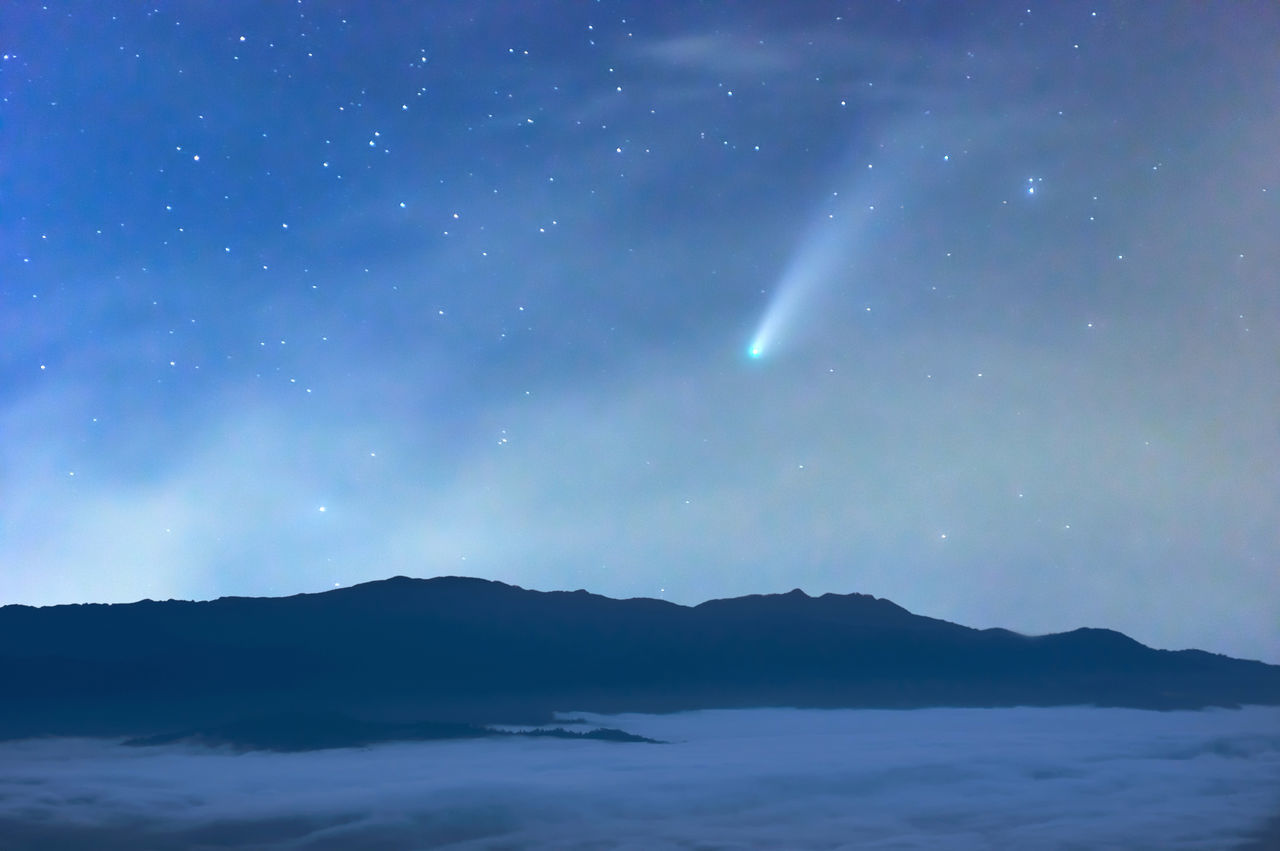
x=953 y=778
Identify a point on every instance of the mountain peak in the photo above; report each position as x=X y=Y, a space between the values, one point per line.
x=403 y=584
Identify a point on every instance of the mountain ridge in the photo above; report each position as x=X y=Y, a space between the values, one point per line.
x=474 y=651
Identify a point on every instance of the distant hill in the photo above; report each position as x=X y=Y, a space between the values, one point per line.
x=317 y=731
x=464 y=651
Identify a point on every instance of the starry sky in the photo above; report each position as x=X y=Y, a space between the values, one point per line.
x=970 y=306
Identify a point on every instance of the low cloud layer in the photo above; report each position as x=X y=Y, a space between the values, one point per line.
x=945 y=778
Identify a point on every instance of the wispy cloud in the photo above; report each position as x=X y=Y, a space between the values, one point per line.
x=721 y=53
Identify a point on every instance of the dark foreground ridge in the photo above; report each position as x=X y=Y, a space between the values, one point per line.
x=310 y=731
x=379 y=658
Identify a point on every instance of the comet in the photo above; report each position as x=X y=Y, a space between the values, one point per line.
x=829 y=244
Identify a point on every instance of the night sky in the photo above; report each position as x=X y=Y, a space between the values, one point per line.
x=970 y=306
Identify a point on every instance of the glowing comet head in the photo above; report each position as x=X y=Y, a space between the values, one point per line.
x=756 y=351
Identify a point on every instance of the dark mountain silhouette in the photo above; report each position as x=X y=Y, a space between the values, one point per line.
x=301 y=731
x=473 y=652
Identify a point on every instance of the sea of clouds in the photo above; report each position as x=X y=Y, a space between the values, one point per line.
x=1064 y=778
